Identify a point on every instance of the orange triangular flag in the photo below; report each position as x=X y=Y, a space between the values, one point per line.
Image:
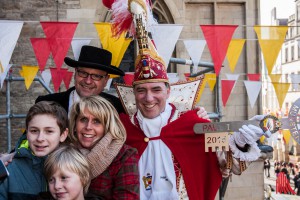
x=286 y=135
x=218 y=38
x=234 y=51
x=117 y=46
x=28 y=73
x=211 y=80
x=275 y=78
x=270 y=39
x=1 y=68
x=281 y=90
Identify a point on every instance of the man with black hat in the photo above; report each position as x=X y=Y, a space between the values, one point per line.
x=91 y=75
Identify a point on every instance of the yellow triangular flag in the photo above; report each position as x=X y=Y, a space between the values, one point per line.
x=1 y=68
x=234 y=51
x=281 y=90
x=211 y=80
x=270 y=39
x=117 y=46
x=29 y=72
x=286 y=135
x=275 y=77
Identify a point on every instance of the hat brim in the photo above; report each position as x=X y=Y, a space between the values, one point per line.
x=109 y=69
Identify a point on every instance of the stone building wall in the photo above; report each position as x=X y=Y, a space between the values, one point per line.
x=190 y=13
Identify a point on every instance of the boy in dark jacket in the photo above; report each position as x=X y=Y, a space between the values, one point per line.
x=46 y=126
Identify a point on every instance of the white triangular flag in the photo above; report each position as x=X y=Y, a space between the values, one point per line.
x=107 y=87
x=165 y=37
x=9 y=34
x=232 y=76
x=195 y=49
x=253 y=88
x=46 y=75
x=77 y=43
x=4 y=74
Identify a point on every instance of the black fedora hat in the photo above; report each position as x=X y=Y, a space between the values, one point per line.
x=95 y=58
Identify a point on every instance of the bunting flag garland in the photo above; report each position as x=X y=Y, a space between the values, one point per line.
x=227 y=86
x=59 y=36
x=67 y=78
x=234 y=51
x=195 y=49
x=9 y=35
x=117 y=46
x=77 y=43
x=1 y=68
x=270 y=39
x=165 y=37
x=253 y=89
x=281 y=90
x=29 y=73
x=4 y=74
x=211 y=80
x=41 y=50
x=286 y=135
x=57 y=77
x=218 y=38
x=232 y=76
x=46 y=75
x=253 y=77
x=275 y=77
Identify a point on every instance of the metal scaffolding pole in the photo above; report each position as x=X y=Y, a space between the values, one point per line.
x=9 y=115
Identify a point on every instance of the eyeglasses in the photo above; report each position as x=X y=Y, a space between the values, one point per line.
x=95 y=77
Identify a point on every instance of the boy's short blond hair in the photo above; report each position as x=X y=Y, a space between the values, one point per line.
x=68 y=157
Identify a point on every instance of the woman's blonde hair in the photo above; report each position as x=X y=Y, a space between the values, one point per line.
x=103 y=111
x=70 y=158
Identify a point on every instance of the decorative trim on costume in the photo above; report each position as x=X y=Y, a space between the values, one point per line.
x=252 y=155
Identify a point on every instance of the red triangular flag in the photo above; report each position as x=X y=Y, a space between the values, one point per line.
x=59 y=36
x=57 y=77
x=41 y=50
x=67 y=78
x=253 y=77
x=218 y=38
x=227 y=86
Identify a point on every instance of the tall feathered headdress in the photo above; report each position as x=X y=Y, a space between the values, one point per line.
x=135 y=17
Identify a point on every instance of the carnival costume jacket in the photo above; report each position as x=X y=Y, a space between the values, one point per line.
x=200 y=169
x=63 y=99
x=26 y=178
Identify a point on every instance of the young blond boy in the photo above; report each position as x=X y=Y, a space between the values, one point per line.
x=47 y=127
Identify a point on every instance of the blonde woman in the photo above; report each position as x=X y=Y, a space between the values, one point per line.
x=96 y=129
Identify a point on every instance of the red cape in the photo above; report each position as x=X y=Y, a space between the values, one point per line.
x=200 y=169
